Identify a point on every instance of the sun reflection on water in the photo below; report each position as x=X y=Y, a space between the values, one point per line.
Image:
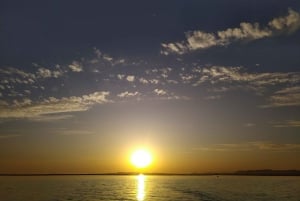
x=140 y=195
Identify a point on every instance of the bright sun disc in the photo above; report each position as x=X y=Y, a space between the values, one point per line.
x=141 y=158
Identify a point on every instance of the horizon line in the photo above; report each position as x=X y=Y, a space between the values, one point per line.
x=260 y=172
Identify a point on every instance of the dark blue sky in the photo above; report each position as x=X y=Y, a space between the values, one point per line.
x=215 y=80
x=34 y=31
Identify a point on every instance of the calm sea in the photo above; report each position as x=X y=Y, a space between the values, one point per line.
x=93 y=188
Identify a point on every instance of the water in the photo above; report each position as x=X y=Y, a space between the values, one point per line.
x=142 y=188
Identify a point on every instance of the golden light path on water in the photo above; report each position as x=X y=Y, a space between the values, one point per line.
x=140 y=195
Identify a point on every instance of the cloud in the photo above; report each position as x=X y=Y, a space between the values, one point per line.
x=219 y=89
x=121 y=76
x=44 y=73
x=160 y=92
x=286 y=97
x=252 y=146
x=284 y=100
x=196 y=40
x=186 y=78
x=15 y=71
x=52 y=105
x=289 y=90
x=37 y=81
x=130 y=78
x=245 y=31
x=127 y=94
x=12 y=75
x=286 y=124
x=51 y=117
x=105 y=58
x=276 y=146
x=164 y=72
x=74 y=132
x=143 y=80
x=24 y=102
x=177 y=47
x=75 y=66
x=150 y=81
x=200 y=40
x=154 y=81
x=212 y=97
x=249 y=125
x=216 y=74
x=57 y=73
x=97 y=52
x=172 y=81
x=164 y=95
x=289 y=23
x=237 y=78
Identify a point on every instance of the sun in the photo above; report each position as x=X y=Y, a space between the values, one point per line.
x=141 y=158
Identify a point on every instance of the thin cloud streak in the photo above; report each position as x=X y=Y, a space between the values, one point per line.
x=286 y=124
x=252 y=146
x=51 y=105
x=289 y=96
x=8 y=136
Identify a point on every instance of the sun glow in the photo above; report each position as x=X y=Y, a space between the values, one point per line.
x=141 y=158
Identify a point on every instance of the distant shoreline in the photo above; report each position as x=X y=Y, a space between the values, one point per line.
x=237 y=173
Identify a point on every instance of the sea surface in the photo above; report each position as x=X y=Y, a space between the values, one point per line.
x=154 y=188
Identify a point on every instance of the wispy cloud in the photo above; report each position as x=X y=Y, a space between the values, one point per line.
x=165 y=95
x=101 y=57
x=121 y=76
x=153 y=81
x=12 y=75
x=18 y=83
x=276 y=146
x=196 y=40
x=187 y=78
x=67 y=132
x=160 y=92
x=51 y=117
x=76 y=66
x=8 y=136
x=143 y=80
x=237 y=78
x=212 y=97
x=286 y=124
x=278 y=88
x=249 y=125
x=52 y=105
x=217 y=74
x=13 y=78
x=127 y=94
x=252 y=146
x=130 y=78
x=286 y=97
x=44 y=73
x=289 y=23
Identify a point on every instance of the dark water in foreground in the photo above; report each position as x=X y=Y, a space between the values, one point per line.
x=204 y=188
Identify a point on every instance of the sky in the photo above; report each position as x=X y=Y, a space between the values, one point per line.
x=206 y=86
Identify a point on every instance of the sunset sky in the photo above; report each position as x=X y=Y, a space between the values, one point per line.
x=204 y=85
